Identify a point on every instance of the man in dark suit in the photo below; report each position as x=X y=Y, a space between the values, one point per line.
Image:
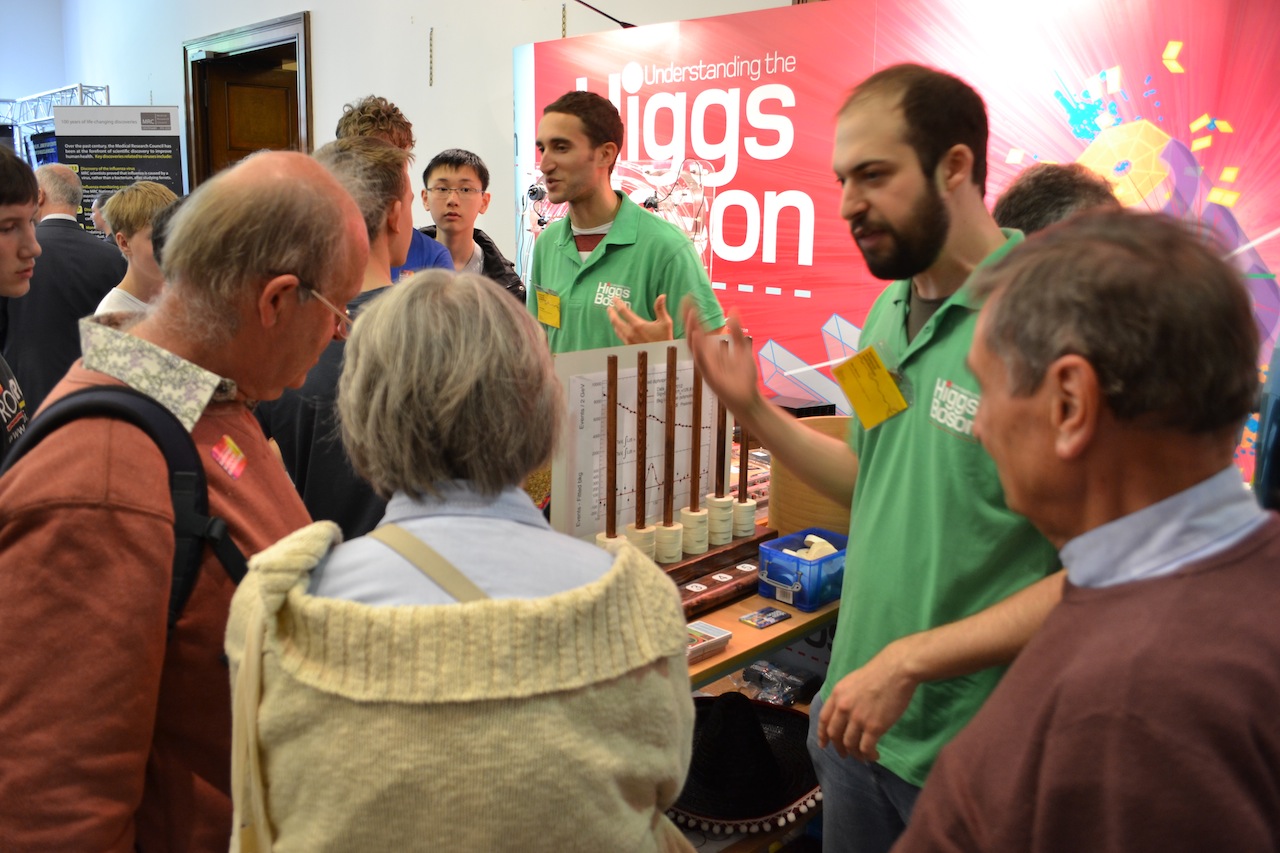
x=74 y=272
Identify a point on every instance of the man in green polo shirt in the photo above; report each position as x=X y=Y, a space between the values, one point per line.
x=943 y=583
x=604 y=274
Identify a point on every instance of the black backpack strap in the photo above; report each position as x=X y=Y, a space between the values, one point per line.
x=192 y=524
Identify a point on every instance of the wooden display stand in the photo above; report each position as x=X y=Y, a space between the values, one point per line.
x=748 y=643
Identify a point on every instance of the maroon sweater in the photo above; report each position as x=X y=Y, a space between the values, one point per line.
x=112 y=735
x=1142 y=717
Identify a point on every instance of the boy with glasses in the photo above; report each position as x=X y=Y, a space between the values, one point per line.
x=456 y=191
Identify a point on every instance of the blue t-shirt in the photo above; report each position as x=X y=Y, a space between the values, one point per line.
x=424 y=253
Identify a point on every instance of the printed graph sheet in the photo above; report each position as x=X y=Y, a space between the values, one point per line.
x=585 y=455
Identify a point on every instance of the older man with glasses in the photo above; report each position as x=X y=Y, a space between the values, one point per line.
x=116 y=727
x=456 y=192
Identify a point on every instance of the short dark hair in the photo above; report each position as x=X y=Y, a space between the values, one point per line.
x=600 y=119
x=457 y=158
x=1166 y=324
x=17 y=181
x=939 y=110
x=160 y=227
x=1049 y=192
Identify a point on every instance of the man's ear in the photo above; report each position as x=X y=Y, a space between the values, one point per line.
x=277 y=294
x=606 y=155
x=392 y=223
x=955 y=168
x=122 y=243
x=484 y=202
x=1076 y=397
x=426 y=200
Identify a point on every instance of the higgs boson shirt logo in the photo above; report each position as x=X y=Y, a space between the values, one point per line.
x=953 y=407
x=605 y=292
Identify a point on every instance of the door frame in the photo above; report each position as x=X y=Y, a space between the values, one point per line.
x=289 y=29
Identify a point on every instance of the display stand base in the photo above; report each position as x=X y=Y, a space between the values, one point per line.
x=719 y=560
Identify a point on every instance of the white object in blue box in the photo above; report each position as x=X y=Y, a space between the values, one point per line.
x=804 y=584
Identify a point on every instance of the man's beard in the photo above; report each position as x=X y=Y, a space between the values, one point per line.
x=914 y=249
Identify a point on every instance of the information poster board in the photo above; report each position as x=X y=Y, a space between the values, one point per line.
x=111 y=147
x=578 y=469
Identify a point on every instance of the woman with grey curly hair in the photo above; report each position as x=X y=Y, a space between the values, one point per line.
x=463 y=673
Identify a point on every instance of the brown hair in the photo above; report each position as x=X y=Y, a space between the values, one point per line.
x=376 y=116
x=940 y=111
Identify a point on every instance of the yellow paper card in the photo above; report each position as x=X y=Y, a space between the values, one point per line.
x=549 y=309
x=870 y=388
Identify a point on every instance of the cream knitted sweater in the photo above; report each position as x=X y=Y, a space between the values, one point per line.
x=562 y=723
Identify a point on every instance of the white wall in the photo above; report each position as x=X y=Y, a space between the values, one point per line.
x=31 y=58
x=357 y=48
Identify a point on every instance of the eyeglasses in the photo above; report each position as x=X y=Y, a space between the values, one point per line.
x=463 y=192
x=344 y=319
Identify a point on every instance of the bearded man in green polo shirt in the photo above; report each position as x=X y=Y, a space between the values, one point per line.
x=943 y=583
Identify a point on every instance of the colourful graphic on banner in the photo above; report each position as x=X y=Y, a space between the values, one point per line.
x=1170 y=99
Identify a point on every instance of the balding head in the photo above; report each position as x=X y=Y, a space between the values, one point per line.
x=60 y=189
x=274 y=213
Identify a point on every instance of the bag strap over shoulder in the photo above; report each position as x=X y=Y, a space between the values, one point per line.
x=192 y=524
x=430 y=563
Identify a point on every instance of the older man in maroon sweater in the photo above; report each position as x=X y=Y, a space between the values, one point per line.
x=115 y=734
x=1117 y=357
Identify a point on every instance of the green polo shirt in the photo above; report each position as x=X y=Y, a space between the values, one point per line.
x=930 y=538
x=641 y=257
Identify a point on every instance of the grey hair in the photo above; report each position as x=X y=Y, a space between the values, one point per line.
x=446 y=378
x=1049 y=192
x=231 y=234
x=60 y=184
x=373 y=171
x=1166 y=324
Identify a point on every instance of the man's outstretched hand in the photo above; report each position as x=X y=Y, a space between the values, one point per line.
x=631 y=328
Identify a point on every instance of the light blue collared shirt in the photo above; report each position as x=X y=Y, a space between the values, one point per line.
x=1196 y=523
x=502 y=544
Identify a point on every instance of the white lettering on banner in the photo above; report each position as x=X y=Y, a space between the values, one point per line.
x=774 y=204
x=746 y=201
x=769 y=121
x=954 y=407
x=765 y=110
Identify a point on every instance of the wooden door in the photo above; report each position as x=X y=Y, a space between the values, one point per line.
x=252 y=104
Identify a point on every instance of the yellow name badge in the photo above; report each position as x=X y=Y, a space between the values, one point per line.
x=548 y=309
x=870 y=388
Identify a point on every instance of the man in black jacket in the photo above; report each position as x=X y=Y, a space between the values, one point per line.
x=72 y=275
x=456 y=192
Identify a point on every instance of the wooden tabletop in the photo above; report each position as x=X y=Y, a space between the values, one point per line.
x=749 y=643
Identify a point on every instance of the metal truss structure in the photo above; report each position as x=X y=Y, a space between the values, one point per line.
x=34 y=113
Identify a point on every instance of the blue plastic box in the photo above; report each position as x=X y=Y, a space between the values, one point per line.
x=804 y=584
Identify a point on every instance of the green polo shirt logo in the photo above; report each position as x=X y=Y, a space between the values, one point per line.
x=953 y=408
x=605 y=293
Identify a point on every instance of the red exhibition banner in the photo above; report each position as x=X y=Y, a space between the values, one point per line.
x=1170 y=99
